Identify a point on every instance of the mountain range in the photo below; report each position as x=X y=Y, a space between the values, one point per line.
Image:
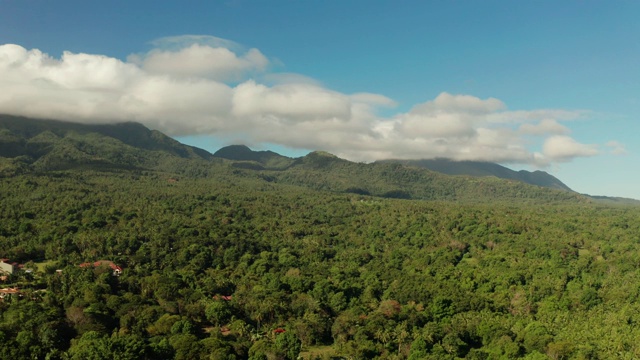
x=481 y=168
x=34 y=145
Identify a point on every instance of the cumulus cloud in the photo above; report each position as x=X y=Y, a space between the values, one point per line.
x=442 y=125
x=458 y=104
x=202 y=61
x=98 y=89
x=289 y=102
x=202 y=85
x=564 y=148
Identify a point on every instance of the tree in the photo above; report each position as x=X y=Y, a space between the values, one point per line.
x=90 y=346
x=186 y=346
x=218 y=312
x=418 y=349
x=536 y=337
x=289 y=344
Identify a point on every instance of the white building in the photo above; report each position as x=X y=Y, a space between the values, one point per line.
x=7 y=267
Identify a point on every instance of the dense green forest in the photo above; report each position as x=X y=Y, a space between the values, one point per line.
x=221 y=260
x=371 y=277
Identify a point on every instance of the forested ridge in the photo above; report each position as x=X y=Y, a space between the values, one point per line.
x=479 y=168
x=226 y=262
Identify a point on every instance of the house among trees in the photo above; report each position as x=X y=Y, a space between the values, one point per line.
x=9 y=292
x=117 y=270
x=8 y=267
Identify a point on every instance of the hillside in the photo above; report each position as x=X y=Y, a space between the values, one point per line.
x=29 y=145
x=478 y=168
x=43 y=145
x=323 y=171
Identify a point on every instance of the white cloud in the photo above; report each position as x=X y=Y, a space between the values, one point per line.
x=458 y=104
x=94 y=88
x=442 y=125
x=527 y=116
x=373 y=99
x=289 y=102
x=202 y=61
x=176 y=43
x=616 y=148
x=199 y=85
x=544 y=127
x=564 y=148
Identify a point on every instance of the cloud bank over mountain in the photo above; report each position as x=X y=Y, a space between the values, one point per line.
x=202 y=85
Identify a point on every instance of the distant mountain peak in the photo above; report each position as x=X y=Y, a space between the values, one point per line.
x=236 y=152
x=319 y=159
x=320 y=153
x=267 y=159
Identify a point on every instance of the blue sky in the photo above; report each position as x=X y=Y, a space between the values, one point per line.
x=532 y=85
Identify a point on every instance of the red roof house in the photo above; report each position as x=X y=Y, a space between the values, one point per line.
x=117 y=270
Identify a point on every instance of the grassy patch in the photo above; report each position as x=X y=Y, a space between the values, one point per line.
x=322 y=352
x=41 y=266
x=584 y=252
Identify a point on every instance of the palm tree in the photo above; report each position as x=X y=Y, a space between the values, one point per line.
x=383 y=335
x=401 y=334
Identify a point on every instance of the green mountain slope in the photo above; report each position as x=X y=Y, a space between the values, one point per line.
x=479 y=168
x=129 y=133
x=323 y=171
x=41 y=145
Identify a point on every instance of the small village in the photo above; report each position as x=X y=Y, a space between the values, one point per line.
x=13 y=275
